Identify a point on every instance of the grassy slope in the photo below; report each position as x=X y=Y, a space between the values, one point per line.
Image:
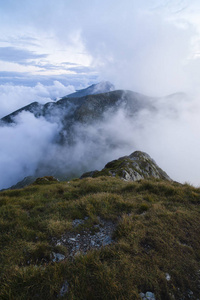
x=157 y=232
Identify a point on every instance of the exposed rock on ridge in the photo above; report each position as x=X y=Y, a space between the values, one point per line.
x=138 y=165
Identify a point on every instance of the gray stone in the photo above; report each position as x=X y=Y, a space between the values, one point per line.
x=134 y=167
x=58 y=257
x=92 y=243
x=87 y=240
x=77 y=222
x=64 y=289
x=72 y=239
x=107 y=241
x=150 y=296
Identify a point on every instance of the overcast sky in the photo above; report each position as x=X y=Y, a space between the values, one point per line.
x=49 y=48
x=151 y=46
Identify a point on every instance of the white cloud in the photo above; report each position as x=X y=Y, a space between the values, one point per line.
x=142 y=49
x=22 y=146
x=13 y=97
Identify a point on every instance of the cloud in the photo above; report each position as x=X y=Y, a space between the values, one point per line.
x=12 y=54
x=20 y=41
x=22 y=146
x=169 y=134
x=70 y=64
x=140 y=48
x=81 y=69
x=14 y=97
x=27 y=79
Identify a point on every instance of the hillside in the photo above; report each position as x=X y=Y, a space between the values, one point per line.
x=100 y=238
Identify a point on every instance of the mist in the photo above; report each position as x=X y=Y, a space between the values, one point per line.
x=167 y=133
x=23 y=145
x=14 y=97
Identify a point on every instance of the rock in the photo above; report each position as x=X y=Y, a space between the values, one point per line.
x=58 y=257
x=190 y=293
x=72 y=239
x=64 y=289
x=150 y=296
x=87 y=239
x=136 y=166
x=107 y=241
x=147 y=296
x=77 y=222
x=93 y=243
x=45 y=180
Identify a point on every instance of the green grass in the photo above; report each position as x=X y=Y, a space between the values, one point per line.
x=157 y=232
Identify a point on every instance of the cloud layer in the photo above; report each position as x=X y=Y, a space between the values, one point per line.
x=23 y=146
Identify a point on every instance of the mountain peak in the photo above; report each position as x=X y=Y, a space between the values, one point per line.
x=98 y=88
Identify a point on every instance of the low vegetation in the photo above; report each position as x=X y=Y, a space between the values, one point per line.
x=156 y=245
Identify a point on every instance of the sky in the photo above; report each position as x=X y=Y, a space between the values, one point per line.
x=49 y=49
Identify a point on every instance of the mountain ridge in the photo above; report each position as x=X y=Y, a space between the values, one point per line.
x=40 y=110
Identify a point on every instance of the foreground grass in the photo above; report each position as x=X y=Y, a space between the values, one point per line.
x=157 y=233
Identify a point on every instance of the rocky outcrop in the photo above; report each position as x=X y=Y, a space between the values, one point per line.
x=138 y=165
